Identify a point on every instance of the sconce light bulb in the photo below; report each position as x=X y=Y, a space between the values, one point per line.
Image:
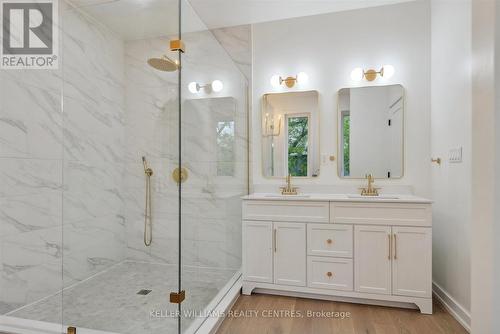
x=388 y=71
x=357 y=74
x=193 y=87
x=217 y=85
x=275 y=81
x=302 y=78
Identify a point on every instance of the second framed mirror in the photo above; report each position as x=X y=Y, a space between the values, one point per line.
x=371 y=132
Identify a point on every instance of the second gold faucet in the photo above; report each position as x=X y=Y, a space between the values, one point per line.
x=370 y=190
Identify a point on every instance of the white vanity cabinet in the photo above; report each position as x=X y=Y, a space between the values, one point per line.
x=362 y=250
x=274 y=252
x=258 y=251
x=412 y=261
x=290 y=254
x=372 y=271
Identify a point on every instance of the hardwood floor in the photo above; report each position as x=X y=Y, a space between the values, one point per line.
x=363 y=319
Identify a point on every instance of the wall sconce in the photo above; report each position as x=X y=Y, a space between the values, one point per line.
x=277 y=80
x=358 y=74
x=214 y=86
x=270 y=130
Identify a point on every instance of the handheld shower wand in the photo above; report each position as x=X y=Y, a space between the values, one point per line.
x=148 y=217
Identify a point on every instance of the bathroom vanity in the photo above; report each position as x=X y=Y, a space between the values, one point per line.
x=339 y=247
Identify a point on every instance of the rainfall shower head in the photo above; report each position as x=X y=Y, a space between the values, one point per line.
x=164 y=64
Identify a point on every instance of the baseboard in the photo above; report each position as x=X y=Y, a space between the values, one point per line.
x=456 y=310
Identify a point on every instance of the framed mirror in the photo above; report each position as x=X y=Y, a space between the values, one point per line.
x=371 y=132
x=290 y=134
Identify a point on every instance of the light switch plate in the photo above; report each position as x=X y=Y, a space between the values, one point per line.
x=455 y=155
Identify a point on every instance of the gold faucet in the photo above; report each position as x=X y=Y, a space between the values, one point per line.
x=370 y=190
x=289 y=190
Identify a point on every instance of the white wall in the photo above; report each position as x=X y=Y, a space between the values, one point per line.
x=451 y=119
x=328 y=47
x=484 y=169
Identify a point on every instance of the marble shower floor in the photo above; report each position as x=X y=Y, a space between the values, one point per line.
x=109 y=300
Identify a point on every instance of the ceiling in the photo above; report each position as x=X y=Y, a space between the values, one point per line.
x=137 y=19
x=140 y=19
x=226 y=13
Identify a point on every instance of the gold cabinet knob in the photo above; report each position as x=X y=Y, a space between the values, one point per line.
x=329 y=274
x=329 y=241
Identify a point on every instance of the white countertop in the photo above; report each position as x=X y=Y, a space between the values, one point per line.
x=383 y=198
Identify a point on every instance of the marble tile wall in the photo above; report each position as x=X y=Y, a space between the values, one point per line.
x=211 y=219
x=151 y=131
x=94 y=147
x=237 y=41
x=71 y=143
x=62 y=168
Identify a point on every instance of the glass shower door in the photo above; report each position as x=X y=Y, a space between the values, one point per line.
x=121 y=147
x=214 y=138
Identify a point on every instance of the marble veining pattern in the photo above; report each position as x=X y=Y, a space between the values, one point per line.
x=237 y=41
x=109 y=301
x=75 y=173
x=61 y=172
x=210 y=204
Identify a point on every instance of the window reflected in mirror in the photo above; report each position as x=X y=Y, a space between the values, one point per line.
x=346 y=127
x=225 y=148
x=298 y=144
x=214 y=137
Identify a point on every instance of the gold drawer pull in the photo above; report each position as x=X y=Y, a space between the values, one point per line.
x=329 y=274
x=329 y=241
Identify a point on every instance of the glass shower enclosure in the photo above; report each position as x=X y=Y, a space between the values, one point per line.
x=121 y=173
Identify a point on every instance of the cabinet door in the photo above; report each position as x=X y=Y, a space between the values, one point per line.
x=412 y=261
x=372 y=259
x=258 y=251
x=290 y=254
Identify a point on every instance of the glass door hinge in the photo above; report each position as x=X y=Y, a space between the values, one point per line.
x=177 y=297
x=177 y=45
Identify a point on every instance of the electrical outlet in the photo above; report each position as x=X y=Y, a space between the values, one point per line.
x=455 y=155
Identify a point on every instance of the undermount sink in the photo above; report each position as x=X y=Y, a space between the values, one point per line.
x=286 y=196
x=374 y=197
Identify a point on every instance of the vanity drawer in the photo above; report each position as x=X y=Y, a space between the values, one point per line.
x=329 y=240
x=287 y=211
x=330 y=273
x=401 y=214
